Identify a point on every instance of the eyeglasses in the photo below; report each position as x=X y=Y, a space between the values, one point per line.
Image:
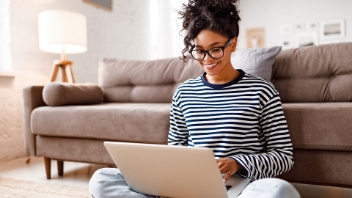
x=215 y=53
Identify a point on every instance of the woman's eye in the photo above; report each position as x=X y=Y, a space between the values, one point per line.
x=215 y=50
x=200 y=51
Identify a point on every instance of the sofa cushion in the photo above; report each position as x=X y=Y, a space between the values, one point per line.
x=130 y=122
x=144 y=81
x=314 y=74
x=256 y=61
x=136 y=122
x=323 y=126
x=60 y=93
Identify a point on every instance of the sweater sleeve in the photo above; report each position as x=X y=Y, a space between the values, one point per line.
x=278 y=156
x=178 y=133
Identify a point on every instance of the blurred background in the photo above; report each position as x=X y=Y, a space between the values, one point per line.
x=141 y=30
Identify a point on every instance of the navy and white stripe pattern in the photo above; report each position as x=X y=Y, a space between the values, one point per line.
x=242 y=119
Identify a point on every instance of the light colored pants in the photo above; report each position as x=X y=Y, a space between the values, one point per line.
x=109 y=183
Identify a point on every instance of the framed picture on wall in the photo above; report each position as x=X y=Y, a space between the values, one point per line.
x=332 y=29
x=312 y=26
x=300 y=27
x=255 y=38
x=306 y=39
x=286 y=30
x=103 y=4
x=287 y=43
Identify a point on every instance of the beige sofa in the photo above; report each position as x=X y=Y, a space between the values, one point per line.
x=315 y=84
x=136 y=108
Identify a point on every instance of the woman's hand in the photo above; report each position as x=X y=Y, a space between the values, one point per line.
x=228 y=166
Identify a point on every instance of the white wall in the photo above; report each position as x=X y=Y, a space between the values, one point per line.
x=271 y=14
x=11 y=112
x=5 y=52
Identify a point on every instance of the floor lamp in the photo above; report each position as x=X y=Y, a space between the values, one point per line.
x=62 y=32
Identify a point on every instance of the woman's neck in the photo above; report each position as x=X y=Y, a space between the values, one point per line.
x=228 y=74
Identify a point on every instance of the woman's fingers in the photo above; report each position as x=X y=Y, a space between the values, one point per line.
x=224 y=169
x=223 y=166
x=227 y=166
x=227 y=176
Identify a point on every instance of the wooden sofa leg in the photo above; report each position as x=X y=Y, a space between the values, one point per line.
x=60 y=167
x=47 y=162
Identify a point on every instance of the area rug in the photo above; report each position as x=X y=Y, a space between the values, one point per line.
x=11 y=188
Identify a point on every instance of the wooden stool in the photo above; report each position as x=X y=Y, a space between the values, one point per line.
x=66 y=70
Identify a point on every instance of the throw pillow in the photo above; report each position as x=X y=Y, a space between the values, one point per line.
x=59 y=93
x=258 y=62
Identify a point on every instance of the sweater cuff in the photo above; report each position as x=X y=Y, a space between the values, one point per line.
x=244 y=172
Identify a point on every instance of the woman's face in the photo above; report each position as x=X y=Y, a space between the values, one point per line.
x=208 y=39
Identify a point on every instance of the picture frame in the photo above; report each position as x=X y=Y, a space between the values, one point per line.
x=287 y=43
x=286 y=30
x=300 y=27
x=255 y=38
x=102 y=4
x=312 y=26
x=306 y=39
x=333 y=29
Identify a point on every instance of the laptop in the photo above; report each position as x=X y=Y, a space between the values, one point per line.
x=173 y=171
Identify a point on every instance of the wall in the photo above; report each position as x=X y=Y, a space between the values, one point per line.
x=5 y=52
x=271 y=14
x=122 y=34
x=11 y=117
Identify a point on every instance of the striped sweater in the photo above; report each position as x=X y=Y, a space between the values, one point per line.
x=242 y=119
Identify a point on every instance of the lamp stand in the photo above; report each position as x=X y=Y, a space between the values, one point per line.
x=66 y=70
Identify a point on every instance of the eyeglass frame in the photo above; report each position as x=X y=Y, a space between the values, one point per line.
x=207 y=51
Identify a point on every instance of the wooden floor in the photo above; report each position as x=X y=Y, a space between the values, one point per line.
x=78 y=174
x=75 y=174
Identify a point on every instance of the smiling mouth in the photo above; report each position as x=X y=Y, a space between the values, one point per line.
x=208 y=66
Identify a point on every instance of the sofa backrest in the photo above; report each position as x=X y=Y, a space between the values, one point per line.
x=144 y=81
x=308 y=74
x=314 y=74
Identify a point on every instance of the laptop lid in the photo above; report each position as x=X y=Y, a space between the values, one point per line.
x=171 y=171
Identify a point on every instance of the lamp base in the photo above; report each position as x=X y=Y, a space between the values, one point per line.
x=66 y=70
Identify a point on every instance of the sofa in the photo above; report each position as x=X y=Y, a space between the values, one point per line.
x=314 y=83
x=135 y=108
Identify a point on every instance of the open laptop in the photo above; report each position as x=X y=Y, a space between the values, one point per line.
x=173 y=171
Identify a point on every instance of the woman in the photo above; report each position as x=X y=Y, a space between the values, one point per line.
x=236 y=114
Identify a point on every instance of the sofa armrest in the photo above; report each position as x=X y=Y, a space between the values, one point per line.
x=61 y=93
x=32 y=98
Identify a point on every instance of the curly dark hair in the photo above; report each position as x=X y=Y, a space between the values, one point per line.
x=220 y=16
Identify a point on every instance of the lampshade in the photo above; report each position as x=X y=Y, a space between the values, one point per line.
x=62 y=30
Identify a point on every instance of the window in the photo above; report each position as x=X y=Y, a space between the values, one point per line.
x=5 y=51
x=155 y=34
x=177 y=39
x=165 y=25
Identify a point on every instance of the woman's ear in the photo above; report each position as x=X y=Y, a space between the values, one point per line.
x=234 y=44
